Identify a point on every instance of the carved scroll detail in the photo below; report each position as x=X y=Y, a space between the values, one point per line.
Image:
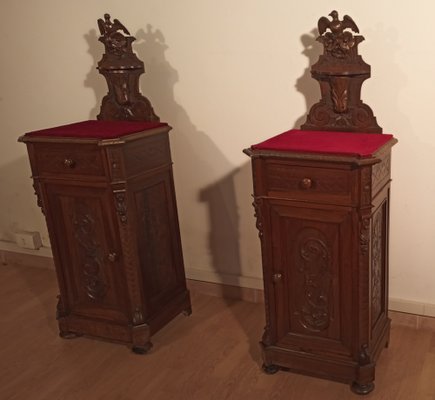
x=340 y=72
x=364 y=236
x=314 y=262
x=37 y=189
x=381 y=170
x=377 y=261
x=258 y=217
x=92 y=261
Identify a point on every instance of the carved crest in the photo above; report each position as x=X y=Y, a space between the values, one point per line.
x=121 y=68
x=340 y=72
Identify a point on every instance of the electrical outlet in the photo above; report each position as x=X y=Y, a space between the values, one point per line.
x=28 y=240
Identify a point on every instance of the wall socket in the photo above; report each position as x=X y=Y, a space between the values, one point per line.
x=28 y=240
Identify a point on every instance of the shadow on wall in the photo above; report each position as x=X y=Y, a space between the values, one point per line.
x=197 y=162
x=197 y=159
x=19 y=200
x=94 y=80
x=306 y=84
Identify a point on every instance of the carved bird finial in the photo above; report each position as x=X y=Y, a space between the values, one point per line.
x=336 y=26
x=107 y=28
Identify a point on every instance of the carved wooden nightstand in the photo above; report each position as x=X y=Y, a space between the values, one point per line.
x=321 y=198
x=323 y=223
x=106 y=189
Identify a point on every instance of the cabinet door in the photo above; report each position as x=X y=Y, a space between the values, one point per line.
x=311 y=277
x=85 y=242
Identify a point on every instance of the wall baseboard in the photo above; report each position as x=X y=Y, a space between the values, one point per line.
x=411 y=307
x=11 y=254
x=224 y=279
x=200 y=281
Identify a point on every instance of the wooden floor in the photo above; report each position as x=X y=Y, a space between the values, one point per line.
x=213 y=354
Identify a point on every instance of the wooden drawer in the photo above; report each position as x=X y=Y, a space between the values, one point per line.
x=66 y=160
x=309 y=183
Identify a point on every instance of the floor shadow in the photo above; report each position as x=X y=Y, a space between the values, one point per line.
x=305 y=83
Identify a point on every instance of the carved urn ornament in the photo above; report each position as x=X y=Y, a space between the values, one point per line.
x=340 y=72
x=122 y=69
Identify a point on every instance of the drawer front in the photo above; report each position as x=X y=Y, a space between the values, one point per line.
x=69 y=160
x=309 y=183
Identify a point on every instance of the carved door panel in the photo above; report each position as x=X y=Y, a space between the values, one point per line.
x=160 y=252
x=84 y=239
x=312 y=275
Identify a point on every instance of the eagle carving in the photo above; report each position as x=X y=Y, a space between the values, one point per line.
x=337 y=37
x=336 y=26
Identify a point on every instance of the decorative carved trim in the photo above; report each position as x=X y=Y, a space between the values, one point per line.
x=364 y=236
x=381 y=170
x=122 y=69
x=121 y=205
x=92 y=262
x=339 y=43
x=377 y=264
x=314 y=262
x=366 y=186
x=131 y=266
x=257 y=204
x=37 y=189
x=340 y=72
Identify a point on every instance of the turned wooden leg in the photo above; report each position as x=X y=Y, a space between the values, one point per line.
x=365 y=388
x=270 y=369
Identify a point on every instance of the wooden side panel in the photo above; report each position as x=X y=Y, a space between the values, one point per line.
x=159 y=244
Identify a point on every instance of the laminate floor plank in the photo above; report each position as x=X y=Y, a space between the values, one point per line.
x=211 y=355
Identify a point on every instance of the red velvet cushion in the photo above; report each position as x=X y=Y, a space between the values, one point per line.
x=97 y=129
x=342 y=143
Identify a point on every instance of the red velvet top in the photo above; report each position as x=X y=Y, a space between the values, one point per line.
x=326 y=142
x=97 y=129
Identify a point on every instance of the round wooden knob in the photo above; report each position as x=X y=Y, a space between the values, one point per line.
x=112 y=257
x=69 y=163
x=277 y=277
x=306 y=183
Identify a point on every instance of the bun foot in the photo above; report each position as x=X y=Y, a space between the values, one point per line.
x=187 y=311
x=270 y=369
x=362 y=388
x=69 y=335
x=142 y=349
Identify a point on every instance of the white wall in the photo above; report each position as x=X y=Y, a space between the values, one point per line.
x=225 y=75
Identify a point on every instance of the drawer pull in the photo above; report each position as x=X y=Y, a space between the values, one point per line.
x=277 y=277
x=112 y=257
x=69 y=163
x=306 y=183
